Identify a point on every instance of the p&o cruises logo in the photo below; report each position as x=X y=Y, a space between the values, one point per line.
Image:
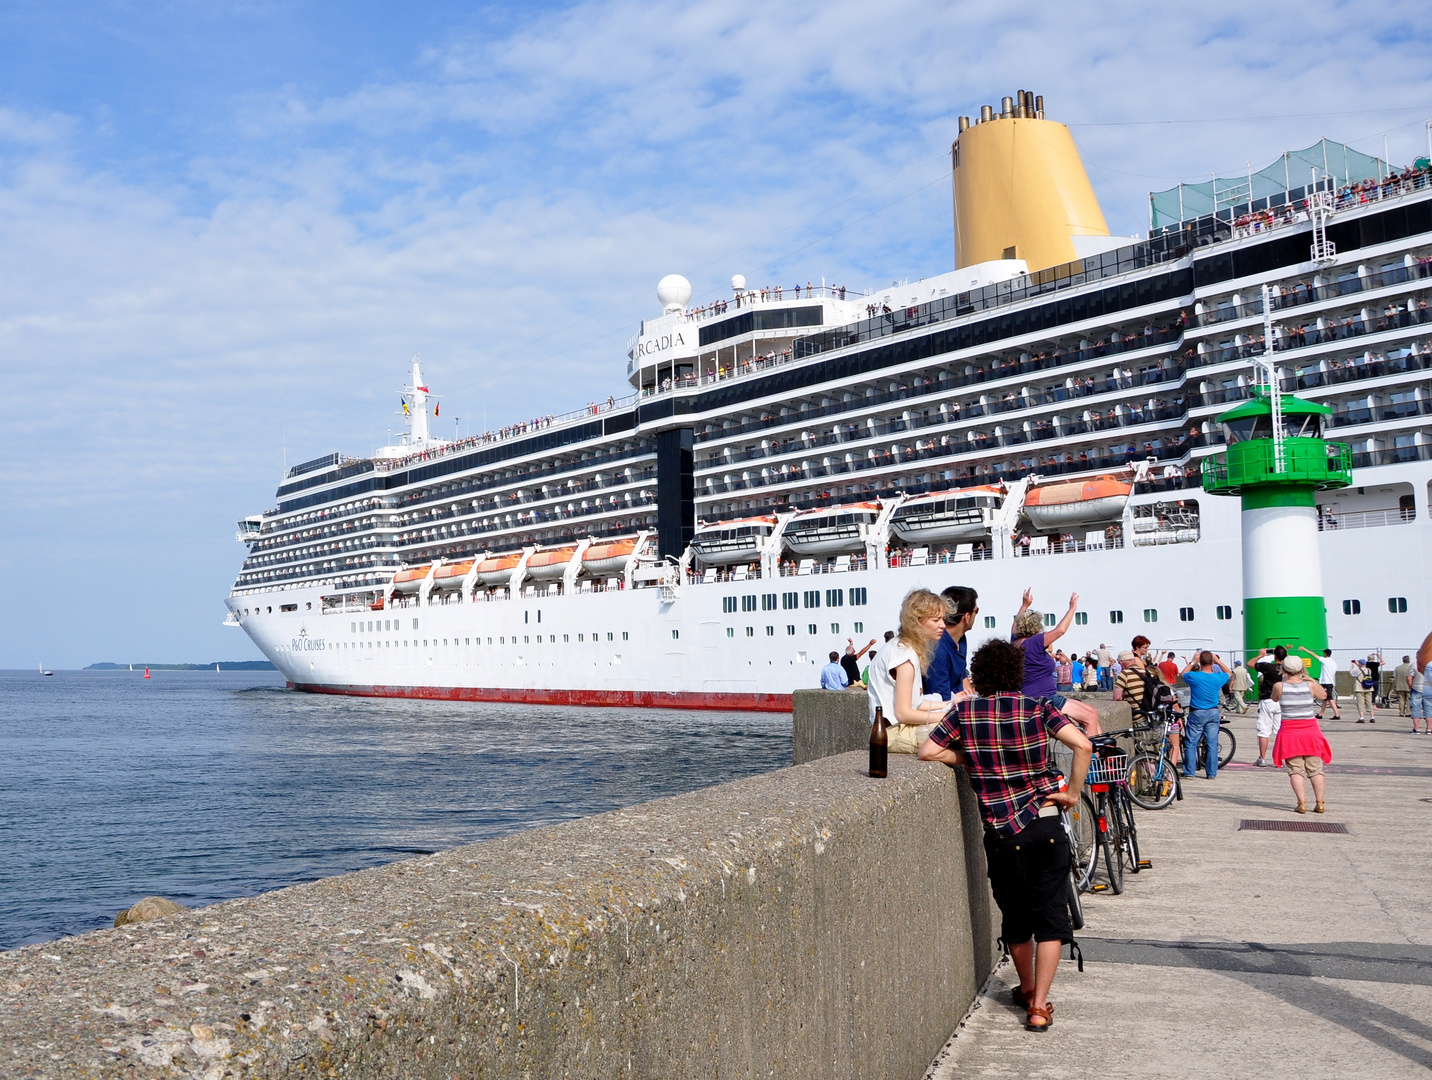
x=304 y=643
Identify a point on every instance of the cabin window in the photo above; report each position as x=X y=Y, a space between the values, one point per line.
x=1223 y=611
x=1151 y=614
x=750 y=631
x=730 y=631
x=1081 y=618
x=770 y=631
x=1185 y=614
x=609 y=636
x=525 y=640
x=353 y=628
x=624 y=635
x=812 y=598
x=1049 y=618
x=835 y=628
x=566 y=639
x=857 y=597
x=728 y=605
x=1352 y=607
x=791 y=630
x=1397 y=605
x=1114 y=617
x=790 y=600
x=581 y=637
x=675 y=634
x=748 y=603
x=989 y=622
x=834 y=597
x=860 y=628
x=810 y=628
x=768 y=601
x=415 y=624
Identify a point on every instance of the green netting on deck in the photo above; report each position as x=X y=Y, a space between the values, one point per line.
x=1288 y=173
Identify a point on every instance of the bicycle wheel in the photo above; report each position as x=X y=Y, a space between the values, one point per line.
x=1227 y=746
x=1153 y=781
x=1083 y=836
x=1113 y=862
x=1076 y=906
x=1131 y=832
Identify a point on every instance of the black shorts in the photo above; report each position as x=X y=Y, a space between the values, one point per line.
x=1029 y=874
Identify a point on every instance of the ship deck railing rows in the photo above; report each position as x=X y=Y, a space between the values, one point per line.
x=999 y=368
x=1308 y=292
x=770 y=294
x=1286 y=338
x=511 y=431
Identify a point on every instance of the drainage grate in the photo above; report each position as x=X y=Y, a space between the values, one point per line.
x=1291 y=826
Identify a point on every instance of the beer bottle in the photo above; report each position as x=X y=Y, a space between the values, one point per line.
x=879 y=744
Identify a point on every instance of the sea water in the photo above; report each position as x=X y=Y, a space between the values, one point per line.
x=202 y=786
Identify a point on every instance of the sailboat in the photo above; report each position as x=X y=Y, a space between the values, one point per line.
x=44 y=672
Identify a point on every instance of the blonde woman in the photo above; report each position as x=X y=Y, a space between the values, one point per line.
x=897 y=673
x=1039 y=667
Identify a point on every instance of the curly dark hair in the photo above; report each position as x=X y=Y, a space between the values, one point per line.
x=997 y=667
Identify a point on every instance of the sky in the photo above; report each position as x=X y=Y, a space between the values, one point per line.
x=225 y=227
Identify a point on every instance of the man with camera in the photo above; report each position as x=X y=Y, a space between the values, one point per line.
x=1204 y=686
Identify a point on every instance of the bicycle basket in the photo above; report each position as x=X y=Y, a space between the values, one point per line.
x=1113 y=769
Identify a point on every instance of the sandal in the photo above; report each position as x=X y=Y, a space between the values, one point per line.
x=1301 y=808
x=1046 y=1013
x=1020 y=998
x=1319 y=809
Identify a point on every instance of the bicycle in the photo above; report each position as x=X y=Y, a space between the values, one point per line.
x=1153 y=777
x=1073 y=888
x=1227 y=745
x=1113 y=814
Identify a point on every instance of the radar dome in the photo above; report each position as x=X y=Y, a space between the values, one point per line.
x=673 y=291
x=738 y=282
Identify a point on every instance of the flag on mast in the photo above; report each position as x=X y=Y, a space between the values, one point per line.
x=405 y=408
x=436 y=408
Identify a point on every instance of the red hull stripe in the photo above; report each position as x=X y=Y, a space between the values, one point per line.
x=641 y=699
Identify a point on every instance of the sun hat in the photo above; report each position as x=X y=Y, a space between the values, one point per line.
x=1126 y=657
x=1293 y=665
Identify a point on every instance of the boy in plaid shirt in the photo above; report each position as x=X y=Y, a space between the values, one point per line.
x=1002 y=740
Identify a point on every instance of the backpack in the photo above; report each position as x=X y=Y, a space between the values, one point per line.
x=1156 y=693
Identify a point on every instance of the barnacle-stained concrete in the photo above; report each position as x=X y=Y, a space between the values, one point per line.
x=808 y=922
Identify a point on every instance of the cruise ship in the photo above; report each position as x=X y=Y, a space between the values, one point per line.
x=784 y=464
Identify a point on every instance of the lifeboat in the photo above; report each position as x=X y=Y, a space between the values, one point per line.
x=728 y=542
x=411 y=579
x=947 y=516
x=498 y=569
x=1077 y=503
x=451 y=575
x=548 y=565
x=611 y=559
x=838 y=530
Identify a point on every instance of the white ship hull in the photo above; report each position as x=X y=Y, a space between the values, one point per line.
x=686 y=651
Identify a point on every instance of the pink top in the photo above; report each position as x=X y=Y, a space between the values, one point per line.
x=1301 y=738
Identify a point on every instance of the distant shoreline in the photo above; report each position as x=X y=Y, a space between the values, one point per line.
x=222 y=665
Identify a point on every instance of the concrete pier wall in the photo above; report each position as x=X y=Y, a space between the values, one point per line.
x=808 y=922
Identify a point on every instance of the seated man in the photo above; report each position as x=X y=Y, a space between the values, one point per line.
x=1002 y=738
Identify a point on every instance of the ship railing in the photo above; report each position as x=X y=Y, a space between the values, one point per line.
x=839 y=564
x=712 y=575
x=1157 y=337
x=1292 y=338
x=980 y=552
x=768 y=295
x=1305 y=292
x=511 y=431
x=1069 y=543
x=1365 y=519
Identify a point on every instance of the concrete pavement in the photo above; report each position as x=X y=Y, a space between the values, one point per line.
x=1249 y=953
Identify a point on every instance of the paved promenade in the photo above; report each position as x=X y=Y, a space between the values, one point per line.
x=1249 y=953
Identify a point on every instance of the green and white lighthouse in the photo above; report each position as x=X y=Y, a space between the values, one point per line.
x=1277 y=462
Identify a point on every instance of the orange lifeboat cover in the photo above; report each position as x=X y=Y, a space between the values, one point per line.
x=551 y=558
x=452 y=570
x=412 y=573
x=1102 y=487
x=615 y=550
x=499 y=562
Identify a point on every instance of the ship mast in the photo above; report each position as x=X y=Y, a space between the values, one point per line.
x=416 y=396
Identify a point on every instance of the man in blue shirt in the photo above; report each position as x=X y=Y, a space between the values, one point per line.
x=1204 y=687
x=833 y=676
x=946 y=675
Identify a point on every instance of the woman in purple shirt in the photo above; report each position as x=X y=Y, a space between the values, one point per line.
x=1039 y=667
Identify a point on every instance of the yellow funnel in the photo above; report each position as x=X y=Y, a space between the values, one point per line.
x=1020 y=190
